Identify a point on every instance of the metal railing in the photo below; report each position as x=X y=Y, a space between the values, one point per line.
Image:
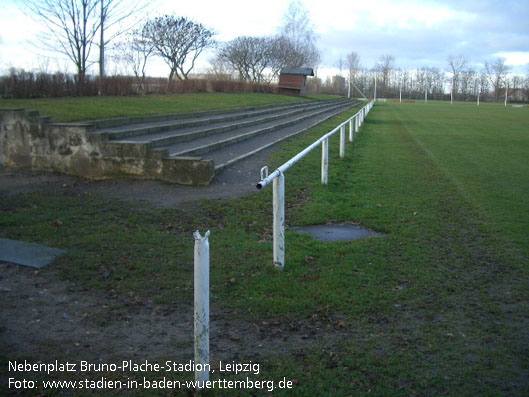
x=277 y=177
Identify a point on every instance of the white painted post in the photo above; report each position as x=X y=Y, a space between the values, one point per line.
x=351 y=133
x=342 y=141
x=325 y=161
x=426 y=95
x=400 y=93
x=479 y=92
x=375 y=93
x=279 y=221
x=201 y=290
x=356 y=122
x=361 y=118
x=506 y=93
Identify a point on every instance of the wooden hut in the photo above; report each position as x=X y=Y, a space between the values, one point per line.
x=292 y=81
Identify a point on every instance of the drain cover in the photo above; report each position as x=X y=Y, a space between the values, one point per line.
x=27 y=254
x=335 y=232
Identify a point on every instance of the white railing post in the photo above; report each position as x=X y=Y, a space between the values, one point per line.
x=361 y=118
x=351 y=130
x=506 y=93
x=201 y=290
x=279 y=221
x=342 y=141
x=356 y=122
x=325 y=161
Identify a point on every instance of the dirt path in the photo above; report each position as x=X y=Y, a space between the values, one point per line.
x=235 y=181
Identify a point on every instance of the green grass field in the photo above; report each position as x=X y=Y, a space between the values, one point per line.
x=439 y=305
x=95 y=108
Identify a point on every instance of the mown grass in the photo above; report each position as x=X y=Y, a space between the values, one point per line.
x=436 y=306
x=95 y=108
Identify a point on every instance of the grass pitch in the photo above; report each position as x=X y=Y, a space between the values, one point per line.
x=439 y=305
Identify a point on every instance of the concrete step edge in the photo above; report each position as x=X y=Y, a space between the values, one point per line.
x=176 y=123
x=220 y=167
x=172 y=139
x=201 y=150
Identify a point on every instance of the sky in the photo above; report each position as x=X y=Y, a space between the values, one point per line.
x=417 y=33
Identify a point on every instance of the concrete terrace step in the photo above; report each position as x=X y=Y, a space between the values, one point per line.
x=118 y=122
x=152 y=124
x=231 y=154
x=201 y=146
x=191 y=150
x=178 y=136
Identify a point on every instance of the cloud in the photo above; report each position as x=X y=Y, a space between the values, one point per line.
x=426 y=33
x=517 y=58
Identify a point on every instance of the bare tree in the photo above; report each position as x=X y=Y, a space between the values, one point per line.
x=220 y=68
x=135 y=52
x=496 y=71
x=340 y=65
x=283 y=55
x=114 y=14
x=385 y=65
x=72 y=26
x=178 y=40
x=298 y=30
x=352 y=62
x=468 y=82
x=249 y=56
x=456 y=65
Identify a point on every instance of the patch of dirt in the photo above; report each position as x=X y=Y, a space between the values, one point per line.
x=42 y=315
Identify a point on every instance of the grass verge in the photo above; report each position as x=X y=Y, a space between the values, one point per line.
x=95 y=108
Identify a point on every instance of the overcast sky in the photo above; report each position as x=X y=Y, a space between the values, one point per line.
x=416 y=33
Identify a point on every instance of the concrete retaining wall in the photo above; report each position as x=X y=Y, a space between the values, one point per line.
x=30 y=141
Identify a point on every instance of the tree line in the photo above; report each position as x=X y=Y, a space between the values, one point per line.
x=458 y=80
x=78 y=28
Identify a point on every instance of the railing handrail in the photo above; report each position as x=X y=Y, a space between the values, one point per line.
x=285 y=166
x=278 y=177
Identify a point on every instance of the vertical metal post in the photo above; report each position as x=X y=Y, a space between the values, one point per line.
x=279 y=221
x=375 y=93
x=325 y=161
x=201 y=290
x=506 y=93
x=363 y=116
x=357 y=117
x=342 y=141
x=479 y=92
x=351 y=132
